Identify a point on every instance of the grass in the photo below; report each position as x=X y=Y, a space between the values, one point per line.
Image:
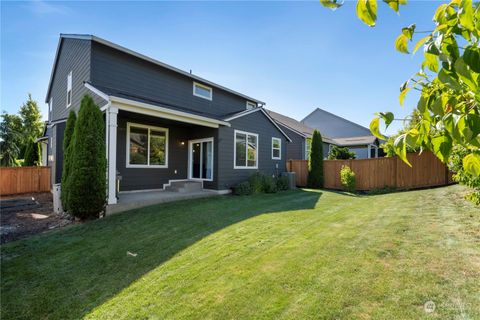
x=292 y=255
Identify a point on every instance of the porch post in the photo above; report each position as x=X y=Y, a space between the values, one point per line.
x=112 y=153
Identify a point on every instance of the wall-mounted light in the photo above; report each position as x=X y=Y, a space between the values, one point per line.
x=182 y=143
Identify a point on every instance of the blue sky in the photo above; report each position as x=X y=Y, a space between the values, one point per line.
x=295 y=56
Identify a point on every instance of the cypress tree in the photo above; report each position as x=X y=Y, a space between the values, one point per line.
x=32 y=154
x=87 y=176
x=67 y=139
x=315 y=173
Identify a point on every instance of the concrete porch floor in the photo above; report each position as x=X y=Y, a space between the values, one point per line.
x=133 y=200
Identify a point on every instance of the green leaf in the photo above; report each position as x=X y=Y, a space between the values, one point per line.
x=332 y=4
x=401 y=43
x=440 y=13
x=448 y=80
x=400 y=147
x=471 y=164
x=388 y=117
x=471 y=56
x=466 y=15
x=367 y=11
x=408 y=31
x=395 y=4
x=420 y=42
x=442 y=146
x=431 y=61
x=403 y=93
x=375 y=128
x=464 y=73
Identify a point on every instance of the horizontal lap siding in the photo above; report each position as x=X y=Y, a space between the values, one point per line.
x=154 y=178
x=254 y=123
x=115 y=69
x=296 y=148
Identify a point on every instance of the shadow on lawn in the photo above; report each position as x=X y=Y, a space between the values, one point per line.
x=66 y=274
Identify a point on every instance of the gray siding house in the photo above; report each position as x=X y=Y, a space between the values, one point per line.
x=335 y=131
x=162 y=124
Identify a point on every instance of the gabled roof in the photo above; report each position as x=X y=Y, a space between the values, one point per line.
x=140 y=56
x=317 y=110
x=234 y=116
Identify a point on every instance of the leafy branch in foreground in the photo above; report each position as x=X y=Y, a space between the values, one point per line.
x=448 y=80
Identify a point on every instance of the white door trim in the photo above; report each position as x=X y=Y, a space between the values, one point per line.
x=190 y=144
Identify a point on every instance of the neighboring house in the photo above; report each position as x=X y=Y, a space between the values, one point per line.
x=301 y=135
x=163 y=124
x=344 y=133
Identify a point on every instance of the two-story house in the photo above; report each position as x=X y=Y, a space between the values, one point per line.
x=162 y=124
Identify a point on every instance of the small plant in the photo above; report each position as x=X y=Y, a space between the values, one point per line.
x=256 y=181
x=282 y=183
x=347 y=178
x=269 y=184
x=243 y=189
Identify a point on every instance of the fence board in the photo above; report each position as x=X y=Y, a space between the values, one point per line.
x=426 y=171
x=18 y=180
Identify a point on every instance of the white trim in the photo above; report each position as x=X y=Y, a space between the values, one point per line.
x=275 y=124
x=190 y=145
x=69 y=88
x=252 y=105
x=246 y=149
x=196 y=84
x=166 y=113
x=96 y=91
x=112 y=155
x=148 y=165
x=279 y=148
x=241 y=114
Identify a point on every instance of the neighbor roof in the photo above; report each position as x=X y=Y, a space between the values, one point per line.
x=355 y=141
x=141 y=56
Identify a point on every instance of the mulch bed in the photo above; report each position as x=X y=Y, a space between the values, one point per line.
x=28 y=214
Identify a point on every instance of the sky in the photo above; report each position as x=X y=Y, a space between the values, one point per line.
x=295 y=56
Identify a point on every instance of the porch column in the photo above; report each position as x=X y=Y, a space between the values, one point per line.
x=112 y=154
x=376 y=152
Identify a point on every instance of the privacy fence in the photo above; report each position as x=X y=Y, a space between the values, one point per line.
x=426 y=171
x=24 y=180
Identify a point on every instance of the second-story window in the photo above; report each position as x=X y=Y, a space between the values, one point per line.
x=251 y=105
x=69 y=89
x=202 y=91
x=50 y=107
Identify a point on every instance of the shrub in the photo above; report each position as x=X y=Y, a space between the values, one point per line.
x=283 y=183
x=67 y=154
x=315 y=173
x=347 y=178
x=340 y=153
x=87 y=178
x=256 y=182
x=243 y=189
x=32 y=154
x=269 y=184
x=462 y=176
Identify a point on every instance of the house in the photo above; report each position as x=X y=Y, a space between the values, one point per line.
x=351 y=135
x=162 y=124
x=344 y=133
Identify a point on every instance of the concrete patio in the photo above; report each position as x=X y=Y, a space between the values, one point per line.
x=132 y=200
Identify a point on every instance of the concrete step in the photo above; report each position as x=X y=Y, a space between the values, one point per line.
x=185 y=186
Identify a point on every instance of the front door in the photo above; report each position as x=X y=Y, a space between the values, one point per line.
x=200 y=158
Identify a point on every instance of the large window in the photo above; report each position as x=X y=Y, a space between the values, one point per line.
x=69 y=89
x=202 y=91
x=246 y=150
x=276 y=148
x=146 y=146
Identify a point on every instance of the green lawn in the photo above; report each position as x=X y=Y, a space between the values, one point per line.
x=293 y=255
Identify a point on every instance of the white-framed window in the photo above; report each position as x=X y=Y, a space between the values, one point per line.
x=251 y=105
x=147 y=146
x=276 y=148
x=245 y=150
x=69 y=89
x=202 y=91
x=308 y=146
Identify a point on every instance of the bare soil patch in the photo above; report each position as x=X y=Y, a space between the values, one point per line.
x=28 y=214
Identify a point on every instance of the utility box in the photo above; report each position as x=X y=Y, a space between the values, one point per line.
x=291 y=180
x=57 y=203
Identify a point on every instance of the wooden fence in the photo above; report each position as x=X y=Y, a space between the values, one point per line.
x=426 y=171
x=24 y=180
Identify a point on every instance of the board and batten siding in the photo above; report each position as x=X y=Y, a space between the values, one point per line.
x=112 y=68
x=256 y=123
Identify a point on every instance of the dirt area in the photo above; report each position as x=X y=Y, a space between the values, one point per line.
x=28 y=214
